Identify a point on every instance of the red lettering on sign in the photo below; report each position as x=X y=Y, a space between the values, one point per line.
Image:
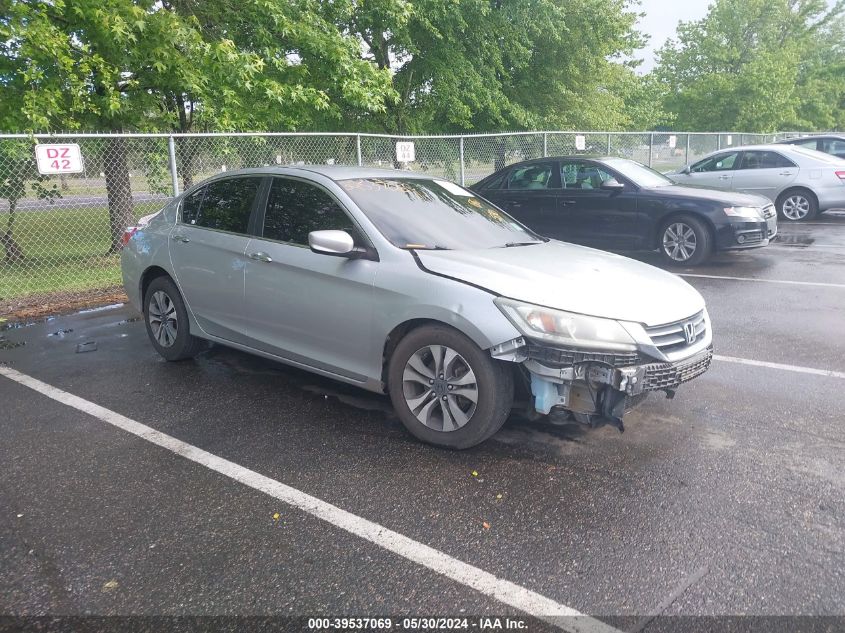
x=52 y=152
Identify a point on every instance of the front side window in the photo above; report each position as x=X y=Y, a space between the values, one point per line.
x=764 y=160
x=423 y=213
x=579 y=174
x=719 y=162
x=295 y=208
x=534 y=176
x=834 y=146
x=226 y=205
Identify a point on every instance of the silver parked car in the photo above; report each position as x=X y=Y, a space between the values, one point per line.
x=411 y=285
x=800 y=181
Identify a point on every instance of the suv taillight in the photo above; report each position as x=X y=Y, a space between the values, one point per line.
x=130 y=231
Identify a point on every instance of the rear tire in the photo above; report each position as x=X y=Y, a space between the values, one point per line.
x=446 y=390
x=797 y=205
x=166 y=319
x=685 y=241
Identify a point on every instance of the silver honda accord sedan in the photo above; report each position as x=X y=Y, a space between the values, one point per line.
x=407 y=284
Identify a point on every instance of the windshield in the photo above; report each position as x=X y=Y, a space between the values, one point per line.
x=434 y=214
x=640 y=175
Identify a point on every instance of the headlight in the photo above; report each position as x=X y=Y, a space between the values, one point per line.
x=744 y=212
x=566 y=328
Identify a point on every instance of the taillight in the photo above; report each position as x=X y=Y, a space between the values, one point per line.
x=127 y=235
x=840 y=175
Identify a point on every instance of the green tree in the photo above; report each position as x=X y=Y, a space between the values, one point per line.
x=121 y=65
x=755 y=65
x=480 y=65
x=17 y=169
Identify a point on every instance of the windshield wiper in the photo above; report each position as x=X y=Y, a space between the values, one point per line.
x=512 y=244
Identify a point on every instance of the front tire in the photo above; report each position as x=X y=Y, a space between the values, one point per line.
x=685 y=241
x=796 y=205
x=446 y=390
x=166 y=318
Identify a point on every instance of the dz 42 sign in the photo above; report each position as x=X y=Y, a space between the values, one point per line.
x=59 y=159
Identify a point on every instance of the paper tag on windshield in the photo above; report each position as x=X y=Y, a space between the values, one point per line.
x=454 y=189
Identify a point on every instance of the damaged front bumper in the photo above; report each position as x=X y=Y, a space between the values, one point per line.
x=598 y=387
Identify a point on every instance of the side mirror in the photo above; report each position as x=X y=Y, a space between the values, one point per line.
x=611 y=184
x=686 y=170
x=336 y=243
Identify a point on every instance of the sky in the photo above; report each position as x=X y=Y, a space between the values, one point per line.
x=661 y=20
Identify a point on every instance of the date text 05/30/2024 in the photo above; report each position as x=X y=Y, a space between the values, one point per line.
x=416 y=624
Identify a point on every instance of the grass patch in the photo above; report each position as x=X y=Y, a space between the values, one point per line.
x=64 y=250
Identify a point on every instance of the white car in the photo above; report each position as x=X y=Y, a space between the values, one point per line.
x=801 y=182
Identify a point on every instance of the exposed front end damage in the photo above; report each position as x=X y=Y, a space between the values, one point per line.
x=597 y=387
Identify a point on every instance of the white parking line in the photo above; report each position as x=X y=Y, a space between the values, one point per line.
x=504 y=591
x=768 y=281
x=762 y=363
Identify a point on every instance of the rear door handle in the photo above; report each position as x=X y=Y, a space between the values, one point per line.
x=180 y=238
x=567 y=202
x=515 y=205
x=723 y=177
x=785 y=173
x=260 y=257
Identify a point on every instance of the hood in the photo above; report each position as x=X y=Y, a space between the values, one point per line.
x=573 y=278
x=729 y=198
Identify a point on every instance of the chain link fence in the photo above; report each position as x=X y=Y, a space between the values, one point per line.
x=60 y=235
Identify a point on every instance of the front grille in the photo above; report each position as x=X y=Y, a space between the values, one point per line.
x=670 y=375
x=565 y=357
x=670 y=337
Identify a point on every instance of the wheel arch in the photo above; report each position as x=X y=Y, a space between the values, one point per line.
x=147 y=277
x=793 y=189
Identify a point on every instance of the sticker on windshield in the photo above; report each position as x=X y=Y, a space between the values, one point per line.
x=454 y=189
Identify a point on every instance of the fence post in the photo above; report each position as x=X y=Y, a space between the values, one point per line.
x=174 y=175
x=545 y=144
x=650 y=148
x=608 y=144
x=686 y=156
x=461 y=146
x=358 y=149
x=718 y=142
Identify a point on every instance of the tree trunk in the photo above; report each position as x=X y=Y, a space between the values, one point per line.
x=14 y=253
x=119 y=191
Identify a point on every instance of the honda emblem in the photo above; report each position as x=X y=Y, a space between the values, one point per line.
x=689 y=332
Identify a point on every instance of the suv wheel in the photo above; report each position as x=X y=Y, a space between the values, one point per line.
x=685 y=240
x=446 y=390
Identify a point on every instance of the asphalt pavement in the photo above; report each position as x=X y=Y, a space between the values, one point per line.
x=728 y=500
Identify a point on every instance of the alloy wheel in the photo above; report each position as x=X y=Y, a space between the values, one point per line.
x=163 y=318
x=796 y=207
x=440 y=388
x=679 y=242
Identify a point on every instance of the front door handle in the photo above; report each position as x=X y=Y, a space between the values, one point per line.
x=515 y=205
x=723 y=177
x=567 y=202
x=180 y=238
x=260 y=257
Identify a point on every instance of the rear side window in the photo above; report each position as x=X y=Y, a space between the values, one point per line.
x=295 y=208
x=764 y=160
x=226 y=205
x=809 y=144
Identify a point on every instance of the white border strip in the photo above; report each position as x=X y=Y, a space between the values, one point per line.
x=761 y=363
x=504 y=591
x=768 y=281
